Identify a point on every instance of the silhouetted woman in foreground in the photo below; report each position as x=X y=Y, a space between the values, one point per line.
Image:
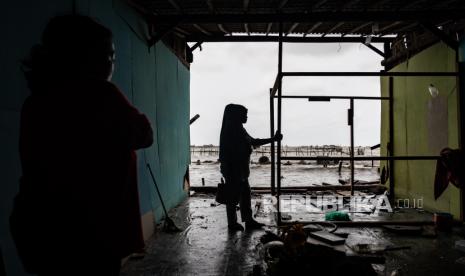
x=235 y=149
x=77 y=211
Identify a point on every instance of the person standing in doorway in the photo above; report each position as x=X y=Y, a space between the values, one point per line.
x=235 y=149
x=77 y=211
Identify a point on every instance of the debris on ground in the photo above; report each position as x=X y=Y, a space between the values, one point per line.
x=290 y=253
x=337 y=216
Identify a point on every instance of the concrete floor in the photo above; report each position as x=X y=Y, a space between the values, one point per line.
x=205 y=247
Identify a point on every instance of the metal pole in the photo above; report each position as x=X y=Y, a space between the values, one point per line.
x=351 y=123
x=461 y=109
x=390 y=146
x=280 y=70
x=272 y=149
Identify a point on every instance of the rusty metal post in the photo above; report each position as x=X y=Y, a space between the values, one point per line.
x=280 y=70
x=272 y=148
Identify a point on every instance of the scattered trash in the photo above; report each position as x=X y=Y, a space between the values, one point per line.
x=460 y=245
x=404 y=229
x=327 y=237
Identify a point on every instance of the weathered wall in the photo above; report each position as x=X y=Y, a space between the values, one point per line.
x=152 y=78
x=423 y=125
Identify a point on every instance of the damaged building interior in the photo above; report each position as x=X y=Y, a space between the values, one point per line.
x=410 y=222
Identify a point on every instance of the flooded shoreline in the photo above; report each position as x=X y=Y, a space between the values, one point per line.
x=295 y=173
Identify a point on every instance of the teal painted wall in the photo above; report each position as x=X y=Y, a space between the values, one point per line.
x=423 y=126
x=153 y=79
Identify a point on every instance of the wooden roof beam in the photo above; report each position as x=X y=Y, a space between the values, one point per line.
x=374 y=49
x=348 y=4
x=223 y=29
x=335 y=27
x=292 y=28
x=246 y=28
x=312 y=28
x=334 y=16
x=318 y=4
x=175 y=5
x=201 y=29
x=450 y=41
x=358 y=28
x=268 y=28
x=407 y=27
x=181 y=30
x=211 y=7
x=411 y=4
x=377 y=4
x=245 y=5
x=282 y=4
x=385 y=29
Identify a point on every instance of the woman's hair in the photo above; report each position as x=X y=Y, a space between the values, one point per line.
x=231 y=128
x=69 y=44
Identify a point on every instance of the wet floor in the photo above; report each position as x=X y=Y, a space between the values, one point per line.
x=205 y=247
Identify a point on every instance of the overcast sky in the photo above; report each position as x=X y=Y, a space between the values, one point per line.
x=242 y=73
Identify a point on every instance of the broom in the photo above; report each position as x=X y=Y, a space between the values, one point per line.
x=169 y=225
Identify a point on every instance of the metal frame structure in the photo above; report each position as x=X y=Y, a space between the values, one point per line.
x=407 y=27
x=276 y=93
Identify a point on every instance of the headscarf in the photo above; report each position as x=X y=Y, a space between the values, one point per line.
x=234 y=146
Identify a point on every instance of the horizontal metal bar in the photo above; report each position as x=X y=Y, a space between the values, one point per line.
x=370 y=74
x=331 y=16
x=318 y=99
x=286 y=39
x=361 y=158
x=333 y=97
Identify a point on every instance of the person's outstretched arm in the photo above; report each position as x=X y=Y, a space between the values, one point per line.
x=259 y=142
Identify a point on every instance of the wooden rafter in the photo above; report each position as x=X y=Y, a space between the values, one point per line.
x=377 y=4
x=222 y=28
x=268 y=28
x=348 y=4
x=211 y=7
x=358 y=28
x=384 y=30
x=318 y=4
x=335 y=27
x=312 y=28
x=444 y=37
x=411 y=4
x=282 y=4
x=175 y=5
x=246 y=28
x=292 y=28
x=407 y=27
x=245 y=5
x=181 y=30
x=374 y=49
x=302 y=17
x=201 y=29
